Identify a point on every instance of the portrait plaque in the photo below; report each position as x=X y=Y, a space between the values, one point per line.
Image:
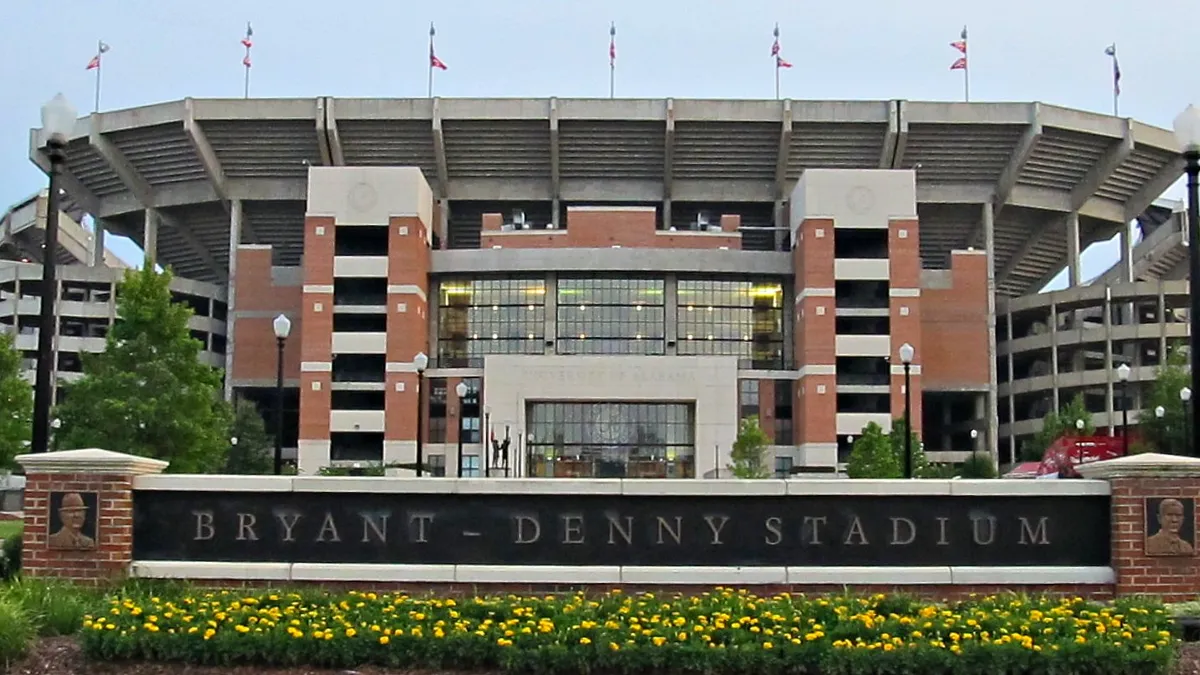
x=1170 y=526
x=73 y=521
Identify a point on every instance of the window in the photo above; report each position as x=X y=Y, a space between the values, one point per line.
x=747 y=398
x=783 y=411
x=783 y=466
x=470 y=466
x=489 y=316
x=732 y=318
x=611 y=440
x=469 y=411
x=436 y=431
x=611 y=316
x=437 y=465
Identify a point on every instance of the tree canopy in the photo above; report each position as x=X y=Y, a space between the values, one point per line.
x=1057 y=424
x=148 y=393
x=1167 y=434
x=16 y=404
x=872 y=455
x=749 y=450
x=252 y=452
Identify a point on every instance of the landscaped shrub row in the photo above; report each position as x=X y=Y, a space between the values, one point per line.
x=724 y=631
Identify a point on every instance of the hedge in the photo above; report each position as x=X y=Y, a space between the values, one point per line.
x=726 y=631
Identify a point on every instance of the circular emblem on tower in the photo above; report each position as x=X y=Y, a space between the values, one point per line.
x=860 y=199
x=362 y=197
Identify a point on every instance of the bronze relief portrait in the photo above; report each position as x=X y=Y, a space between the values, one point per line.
x=1170 y=526
x=73 y=521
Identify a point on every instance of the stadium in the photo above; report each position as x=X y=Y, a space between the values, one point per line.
x=708 y=237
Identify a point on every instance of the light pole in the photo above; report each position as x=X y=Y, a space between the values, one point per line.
x=974 y=441
x=1187 y=134
x=1079 y=425
x=1123 y=375
x=461 y=389
x=282 y=327
x=420 y=362
x=58 y=121
x=907 y=352
x=1185 y=395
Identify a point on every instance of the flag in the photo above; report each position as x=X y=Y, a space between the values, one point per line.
x=612 y=45
x=775 y=45
x=1111 y=50
x=780 y=63
x=95 y=62
x=959 y=64
x=434 y=61
x=246 y=41
x=961 y=45
x=246 y=61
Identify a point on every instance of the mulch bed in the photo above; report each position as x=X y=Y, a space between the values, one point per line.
x=62 y=656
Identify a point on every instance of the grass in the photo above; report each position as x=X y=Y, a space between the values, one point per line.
x=11 y=528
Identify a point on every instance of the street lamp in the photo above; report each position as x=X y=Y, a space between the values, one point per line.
x=907 y=352
x=58 y=121
x=461 y=389
x=1160 y=412
x=1185 y=395
x=420 y=362
x=282 y=327
x=1187 y=134
x=1123 y=372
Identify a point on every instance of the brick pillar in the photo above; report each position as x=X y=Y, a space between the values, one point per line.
x=79 y=513
x=1154 y=524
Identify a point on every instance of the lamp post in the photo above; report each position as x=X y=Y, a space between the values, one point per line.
x=1123 y=374
x=462 y=390
x=420 y=362
x=907 y=352
x=1187 y=134
x=58 y=121
x=1185 y=395
x=1079 y=425
x=282 y=327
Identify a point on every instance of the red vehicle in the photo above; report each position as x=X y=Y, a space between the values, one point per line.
x=1068 y=452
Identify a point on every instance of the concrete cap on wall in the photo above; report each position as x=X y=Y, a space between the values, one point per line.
x=1147 y=465
x=90 y=460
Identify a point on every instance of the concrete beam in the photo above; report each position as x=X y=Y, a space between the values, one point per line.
x=439 y=151
x=1100 y=172
x=668 y=161
x=329 y=141
x=1031 y=243
x=554 y=159
x=785 y=151
x=146 y=195
x=1022 y=153
x=1143 y=198
x=895 y=139
x=204 y=150
x=70 y=183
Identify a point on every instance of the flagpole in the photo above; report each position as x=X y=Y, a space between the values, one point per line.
x=246 y=60
x=612 y=60
x=99 y=67
x=1116 y=84
x=246 y=84
x=777 y=79
x=430 y=88
x=966 y=67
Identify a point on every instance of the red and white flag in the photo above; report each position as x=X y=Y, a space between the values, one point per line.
x=247 y=42
x=434 y=61
x=961 y=45
x=775 y=44
x=612 y=45
x=95 y=62
x=780 y=63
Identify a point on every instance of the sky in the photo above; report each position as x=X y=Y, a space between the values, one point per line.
x=1020 y=50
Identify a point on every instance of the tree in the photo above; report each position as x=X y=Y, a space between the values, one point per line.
x=978 y=465
x=252 y=454
x=872 y=455
x=1167 y=434
x=1056 y=425
x=16 y=404
x=147 y=393
x=920 y=464
x=749 y=450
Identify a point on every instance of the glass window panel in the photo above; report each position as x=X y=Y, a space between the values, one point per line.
x=742 y=318
x=652 y=440
x=490 y=316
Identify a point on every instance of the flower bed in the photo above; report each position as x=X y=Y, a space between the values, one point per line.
x=724 y=631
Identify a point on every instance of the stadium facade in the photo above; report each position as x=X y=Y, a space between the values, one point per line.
x=618 y=282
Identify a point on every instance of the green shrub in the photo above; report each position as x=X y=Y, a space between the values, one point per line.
x=978 y=465
x=10 y=558
x=54 y=608
x=725 y=631
x=16 y=632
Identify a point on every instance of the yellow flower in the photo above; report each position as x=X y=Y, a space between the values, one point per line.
x=383 y=639
x=767 y=645
x=585 y=641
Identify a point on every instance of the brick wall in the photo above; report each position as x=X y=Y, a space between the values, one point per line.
x=254 y=348
x=954 y=326
x=114 y=545
x=815 y=413
x=604 y=228
x=407 y=325
x=1176 y=578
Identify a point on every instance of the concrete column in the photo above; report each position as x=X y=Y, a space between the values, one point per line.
x=97 y=252
x=1073 y=253
x=992 y=432
x=1126 y=254
x=235 y=240
x=550 y=325
x=1161 y=315
x=782 y=228
x=1109 y=371
x=443 y=224
x=1054 y=355
x=150 y=236
x=1012 y=399
x=981 y=412
x=666 y=213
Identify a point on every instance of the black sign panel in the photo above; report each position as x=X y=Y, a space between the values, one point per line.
x=504 y=529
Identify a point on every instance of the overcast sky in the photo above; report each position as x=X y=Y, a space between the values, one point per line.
x=1021 y=50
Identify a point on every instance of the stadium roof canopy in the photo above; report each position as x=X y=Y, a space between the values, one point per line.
x=1037 y=163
